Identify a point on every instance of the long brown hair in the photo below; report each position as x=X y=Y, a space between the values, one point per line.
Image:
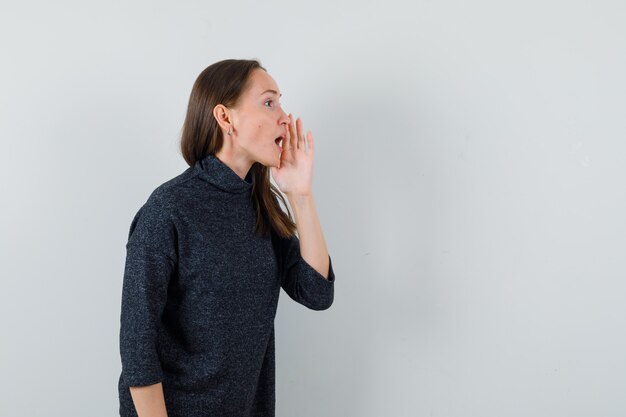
x=222 y=83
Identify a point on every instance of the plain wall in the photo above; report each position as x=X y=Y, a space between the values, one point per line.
x=469 y=176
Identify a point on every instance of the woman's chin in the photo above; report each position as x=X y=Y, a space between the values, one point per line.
x=276 y=161
x=272 y=163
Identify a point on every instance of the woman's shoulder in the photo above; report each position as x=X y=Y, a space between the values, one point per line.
x=173 y=191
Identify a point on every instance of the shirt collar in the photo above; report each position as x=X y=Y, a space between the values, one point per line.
x=222 y=176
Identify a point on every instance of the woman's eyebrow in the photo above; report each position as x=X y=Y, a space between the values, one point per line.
x=271 y=91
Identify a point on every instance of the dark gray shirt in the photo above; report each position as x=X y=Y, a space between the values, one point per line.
x=200 y=293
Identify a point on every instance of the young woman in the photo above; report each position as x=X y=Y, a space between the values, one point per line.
x=210 y=249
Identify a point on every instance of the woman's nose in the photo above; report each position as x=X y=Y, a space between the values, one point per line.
x=284 y=118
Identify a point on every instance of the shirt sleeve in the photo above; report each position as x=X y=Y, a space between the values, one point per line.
x=151 y=259
x=300 y=280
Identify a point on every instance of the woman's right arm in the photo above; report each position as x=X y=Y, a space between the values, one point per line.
x=149 y=400
x=151 y=260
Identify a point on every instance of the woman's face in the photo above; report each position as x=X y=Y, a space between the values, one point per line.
x=257 y=121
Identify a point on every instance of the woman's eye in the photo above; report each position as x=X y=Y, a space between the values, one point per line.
x=270 y=100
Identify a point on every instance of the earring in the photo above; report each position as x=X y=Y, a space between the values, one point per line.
x=230 y=130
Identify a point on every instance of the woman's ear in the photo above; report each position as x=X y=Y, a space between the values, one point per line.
x=223 y=116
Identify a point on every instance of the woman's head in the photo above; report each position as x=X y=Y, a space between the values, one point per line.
x=255 y=122
x=239 y=96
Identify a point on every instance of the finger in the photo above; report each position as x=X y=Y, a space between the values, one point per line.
x=286 y=140
x=297 y=133
x=300 y=134
x=311 y=143
x=291 y=143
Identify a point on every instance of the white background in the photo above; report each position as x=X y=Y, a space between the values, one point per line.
x=469 y=176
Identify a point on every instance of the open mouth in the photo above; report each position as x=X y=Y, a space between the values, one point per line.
x=279 y=142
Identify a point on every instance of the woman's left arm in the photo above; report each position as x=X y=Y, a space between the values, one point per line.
x=294 y=177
